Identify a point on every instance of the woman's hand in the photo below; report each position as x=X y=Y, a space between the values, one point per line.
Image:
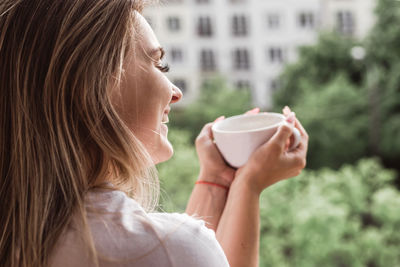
x=273 y=162
x=213 y=167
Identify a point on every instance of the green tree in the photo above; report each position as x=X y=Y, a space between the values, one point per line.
x=383 y=54
x=318 y=65
x=332 y=218
x=336 y=119
x=325 y=89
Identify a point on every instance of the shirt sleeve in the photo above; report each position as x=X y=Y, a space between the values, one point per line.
x=187 y=241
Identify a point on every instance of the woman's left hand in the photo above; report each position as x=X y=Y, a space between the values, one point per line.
x=213 y=167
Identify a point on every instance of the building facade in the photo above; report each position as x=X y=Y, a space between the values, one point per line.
x=248 y=42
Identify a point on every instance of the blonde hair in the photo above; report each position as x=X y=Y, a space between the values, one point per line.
x=59 y=133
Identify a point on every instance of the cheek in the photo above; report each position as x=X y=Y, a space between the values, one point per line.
x=151 y=101
x=135 y=102
x=143 y=99
x=154 y=89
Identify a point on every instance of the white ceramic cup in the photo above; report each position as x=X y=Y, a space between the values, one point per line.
x=239 y=136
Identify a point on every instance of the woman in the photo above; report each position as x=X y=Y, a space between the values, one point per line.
x=84 y=102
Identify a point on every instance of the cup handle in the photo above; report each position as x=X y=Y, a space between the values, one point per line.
x=297 y=138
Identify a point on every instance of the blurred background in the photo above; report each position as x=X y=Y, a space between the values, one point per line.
x=336 y=63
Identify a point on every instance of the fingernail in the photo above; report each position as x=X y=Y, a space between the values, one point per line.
x=290 y=118
x=254 y=110
x=219 y=118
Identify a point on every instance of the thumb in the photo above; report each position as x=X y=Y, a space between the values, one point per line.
x=206 y=131
x=282 y=135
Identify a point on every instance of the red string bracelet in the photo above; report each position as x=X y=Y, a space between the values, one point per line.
x=214 y=184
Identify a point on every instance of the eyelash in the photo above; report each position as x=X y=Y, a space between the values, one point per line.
x=164 y=67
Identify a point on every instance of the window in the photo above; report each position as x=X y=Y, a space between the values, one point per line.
x=207 y=60
x=176 y=55
x=276 y=55
x=174 y=24
x=274 y=85
x=243 y=85
x=204 y=27
x=306 y=20
x=181 y=84
x=273 y=21
x=241 y=59
x=239 y=25
x=345 y=22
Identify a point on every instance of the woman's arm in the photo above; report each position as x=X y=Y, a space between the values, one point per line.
x=208 y=201
x=238 y=229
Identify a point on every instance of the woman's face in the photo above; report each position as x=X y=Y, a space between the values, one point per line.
x=146 y=93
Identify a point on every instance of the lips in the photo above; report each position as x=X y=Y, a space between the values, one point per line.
x=165 y=118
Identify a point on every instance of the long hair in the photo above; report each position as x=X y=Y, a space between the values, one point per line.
x=59 y=133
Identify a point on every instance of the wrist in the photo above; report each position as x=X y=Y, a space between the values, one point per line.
x=213 y=178
x=244 y=182
x=201 y=182
x=243 y=192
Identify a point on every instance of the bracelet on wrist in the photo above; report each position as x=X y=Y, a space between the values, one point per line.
x=213 y=184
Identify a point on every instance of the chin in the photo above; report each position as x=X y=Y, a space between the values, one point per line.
x=164 y=153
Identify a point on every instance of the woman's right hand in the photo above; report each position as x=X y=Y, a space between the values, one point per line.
x=273 y=162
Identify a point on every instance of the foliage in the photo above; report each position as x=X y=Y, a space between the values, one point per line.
x=382 y=43
x=332 y=218
x=324 y=88
x=384 y=54
x=215 y=99
x=335 y=117
x=317 y=66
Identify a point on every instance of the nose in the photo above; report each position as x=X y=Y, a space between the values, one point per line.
x=176 y=94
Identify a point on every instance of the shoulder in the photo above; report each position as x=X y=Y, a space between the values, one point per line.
x=122 y=229
x=181 y=226
x=187 y=240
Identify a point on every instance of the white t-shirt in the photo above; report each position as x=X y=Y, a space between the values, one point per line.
x=128 y=236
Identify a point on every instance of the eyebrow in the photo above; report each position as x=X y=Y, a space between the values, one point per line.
x=157 y=50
